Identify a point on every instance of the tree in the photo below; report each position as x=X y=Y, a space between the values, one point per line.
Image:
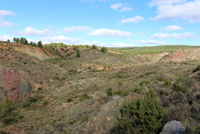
x=14 y=39
x=34 y=44
x=17 y=40
x=104 y=49
x=31 y=43
x=94 y=47
x=40 y=44
x=8 y=41
x=140 y=116
x=25 y=42
x=78 y=53
x=21 y=40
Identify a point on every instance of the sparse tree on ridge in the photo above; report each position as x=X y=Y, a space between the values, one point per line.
x=34 y=44
x=17 y=40
x=94 y=47
x=8 y=41
x=14 y=39
x=40 y=44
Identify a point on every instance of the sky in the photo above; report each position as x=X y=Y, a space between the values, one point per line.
x=109 y=23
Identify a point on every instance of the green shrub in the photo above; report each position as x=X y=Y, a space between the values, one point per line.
x=94 y=47
x=196 y=69
x=187 y=81
x=69 y=100
x=109 y=92
x=138 y=90
x=123 y=75
x=179 y=87
x=78 y=53
x=104 y=49
x=8 y=115
x=140 y=116
x=122 y=92
x=145 y=82
x=167 y=82
x=84 y=97
x=70 y=122
x=30 y=100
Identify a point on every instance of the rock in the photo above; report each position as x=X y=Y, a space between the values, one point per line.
x=79 y=71
x=100 y=69
x=173 y=127
x=116 y=97
x=25 y=89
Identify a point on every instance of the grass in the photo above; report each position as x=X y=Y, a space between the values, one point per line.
x=152 y=50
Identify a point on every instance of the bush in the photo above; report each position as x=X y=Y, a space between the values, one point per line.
x=84 y=97
x=122 y=92
x=167 y=82
x=196 y=69
x=109 y=92
x=94 y=47
x=69 y=100
x=104 y=49
x=140 y=116
x=179 y=87
x=8 y=115
x=78 y=53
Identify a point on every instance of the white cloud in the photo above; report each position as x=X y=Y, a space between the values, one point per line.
x=76 y=29
x=110 y=33
x=30 y=31
x=189 y=11
x=6 y=13
x=121 y=7
x=172 y=28
x=5 y=37
x=174 y=35
x=4 y=23
x=61 y=38
x=148 y=42
x=135 y=19
x=116 y=6
x=165 y=2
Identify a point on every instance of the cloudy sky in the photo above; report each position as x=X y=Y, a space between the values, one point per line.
x=111 y=23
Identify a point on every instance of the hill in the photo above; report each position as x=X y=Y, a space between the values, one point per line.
x=54 y=91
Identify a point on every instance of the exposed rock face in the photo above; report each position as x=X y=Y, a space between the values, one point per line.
x=62 y=53
x=12 y=84
x=173 y=127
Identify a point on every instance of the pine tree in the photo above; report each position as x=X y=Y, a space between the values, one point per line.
x=141 y=116
x=40 y=44
x=14 y=39
x=78 y=53
x=17 y=40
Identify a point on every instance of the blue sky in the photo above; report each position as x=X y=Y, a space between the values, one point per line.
x=111 y=23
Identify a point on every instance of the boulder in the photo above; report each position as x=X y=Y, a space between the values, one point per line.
x=25 y=89
x=100 y=69
x=173 y=127
x=116 y=97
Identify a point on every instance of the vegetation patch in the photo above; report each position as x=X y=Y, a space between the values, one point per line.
x=143 y=115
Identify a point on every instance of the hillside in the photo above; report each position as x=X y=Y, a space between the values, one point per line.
x=56 y=93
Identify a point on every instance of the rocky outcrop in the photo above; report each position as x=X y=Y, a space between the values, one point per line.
x=14 y=84
x=173 y=127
